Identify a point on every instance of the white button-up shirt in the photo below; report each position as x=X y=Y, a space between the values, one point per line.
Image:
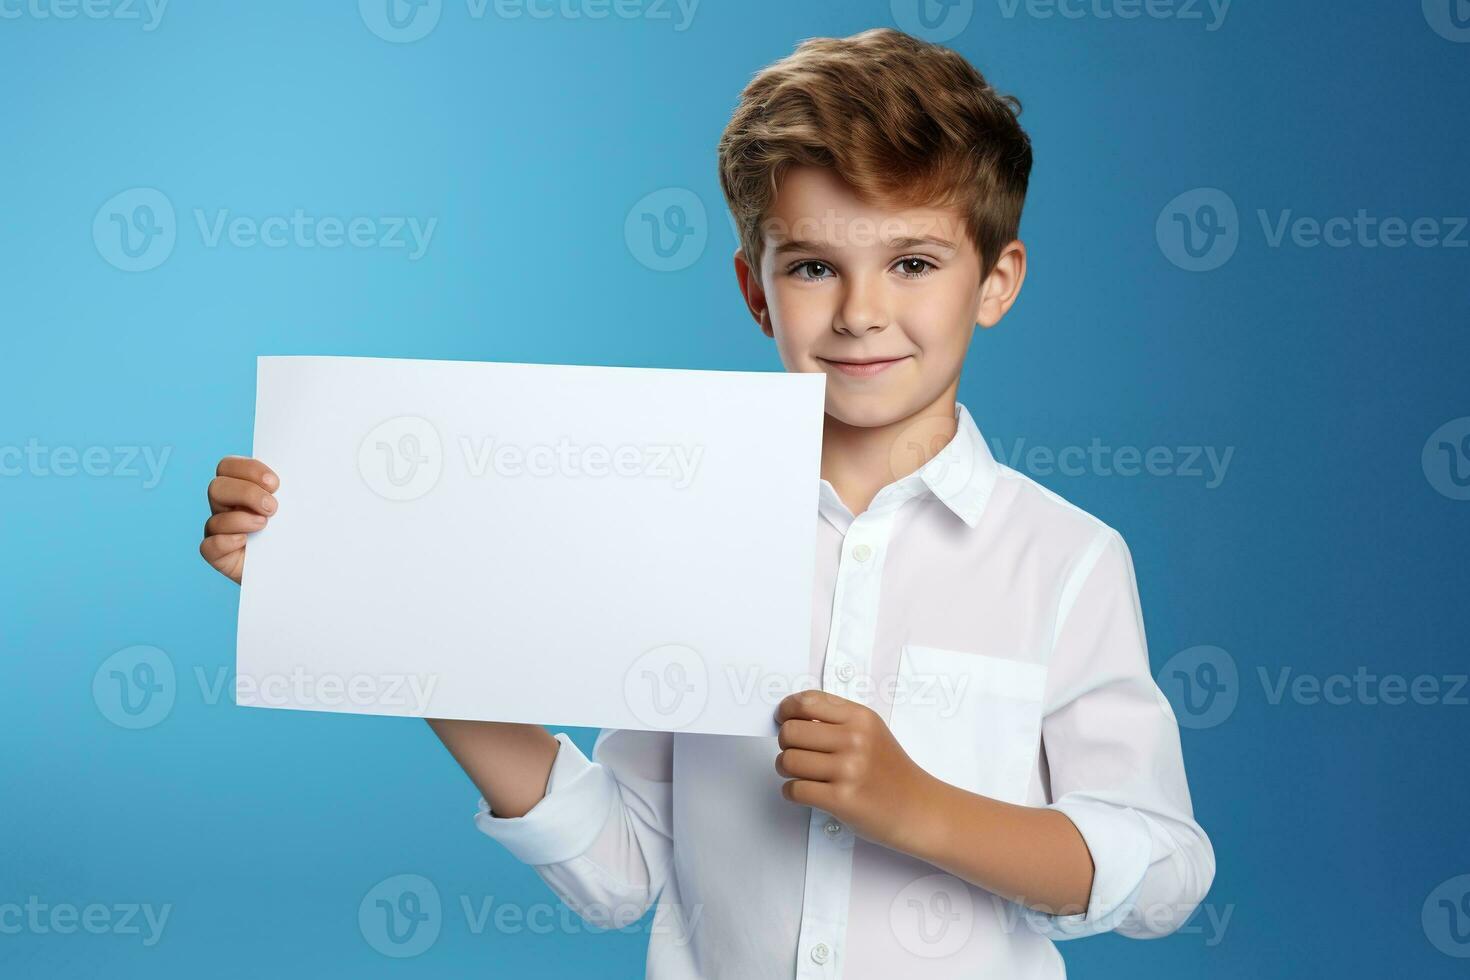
x=996 y=628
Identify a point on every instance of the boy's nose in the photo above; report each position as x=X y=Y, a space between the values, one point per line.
x=862 y=310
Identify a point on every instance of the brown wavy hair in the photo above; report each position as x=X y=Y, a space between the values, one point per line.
x=903 y=121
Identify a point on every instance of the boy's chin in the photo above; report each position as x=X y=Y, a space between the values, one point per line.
x=868 y=411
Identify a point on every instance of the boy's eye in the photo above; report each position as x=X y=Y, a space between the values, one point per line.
x=914 y=267
x=911 y=267
x=813 y=266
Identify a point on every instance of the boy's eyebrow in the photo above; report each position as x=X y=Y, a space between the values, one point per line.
x=803 y=245
x=925 y=240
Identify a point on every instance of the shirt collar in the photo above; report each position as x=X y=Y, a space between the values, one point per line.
x=961 y=476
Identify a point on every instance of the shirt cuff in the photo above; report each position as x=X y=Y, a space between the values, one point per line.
x=564 y=822
x=1121 y=847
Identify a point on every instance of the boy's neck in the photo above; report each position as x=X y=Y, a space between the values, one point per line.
x=860 y=460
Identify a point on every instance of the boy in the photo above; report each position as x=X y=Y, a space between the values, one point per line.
x=988 y=764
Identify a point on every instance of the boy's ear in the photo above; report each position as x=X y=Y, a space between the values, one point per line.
x=999 y=290
x=755 y=296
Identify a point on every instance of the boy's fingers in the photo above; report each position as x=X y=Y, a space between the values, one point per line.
x=806 y=792
x=245 y=468
x=217 y=547
x=798 y=733
x=230 y=493
x=233 y=522
x=813 y=704
x=801 y=764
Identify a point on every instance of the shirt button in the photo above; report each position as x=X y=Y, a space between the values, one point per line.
x=820 y=953
x=862 y=552
x=832 y=828
x=845 y=671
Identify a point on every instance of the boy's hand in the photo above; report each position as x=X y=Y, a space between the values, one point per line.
x=840 y=757
x=240 y=501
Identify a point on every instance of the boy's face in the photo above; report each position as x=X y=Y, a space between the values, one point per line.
x=882 y=300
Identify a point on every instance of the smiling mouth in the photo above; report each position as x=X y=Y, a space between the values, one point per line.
x=863 y=369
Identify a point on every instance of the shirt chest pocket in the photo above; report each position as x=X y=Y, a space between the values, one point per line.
x=970 y=719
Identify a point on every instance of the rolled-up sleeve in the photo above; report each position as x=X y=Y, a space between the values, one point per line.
x=600 y=837
x=1114 y=759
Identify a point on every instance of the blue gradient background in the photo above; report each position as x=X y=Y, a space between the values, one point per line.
x=1325 y=549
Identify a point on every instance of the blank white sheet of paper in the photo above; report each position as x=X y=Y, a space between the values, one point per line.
x=567 y=545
